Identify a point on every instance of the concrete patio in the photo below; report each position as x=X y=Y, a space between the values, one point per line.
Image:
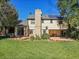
x=60 y=39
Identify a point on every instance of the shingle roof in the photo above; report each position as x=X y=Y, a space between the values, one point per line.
x=46 y=17
x=24 y=23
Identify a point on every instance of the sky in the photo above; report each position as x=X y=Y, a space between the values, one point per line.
x=27 y=7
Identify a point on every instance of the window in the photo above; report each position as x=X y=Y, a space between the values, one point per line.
x=60 y=22
x=51 y=21
x=42 y=21
x=32 y=21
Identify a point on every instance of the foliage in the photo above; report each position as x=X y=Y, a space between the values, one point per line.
x=4 y=37
x=74 y=33
x=69 y=9
x=32 y=38
x=8 y=14
x=45 y=36
x=2 y=1
x=35 y=38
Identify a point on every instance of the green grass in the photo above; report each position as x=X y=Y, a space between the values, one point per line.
x=10 y=49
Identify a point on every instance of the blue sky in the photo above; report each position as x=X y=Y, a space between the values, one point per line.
x=25 y=7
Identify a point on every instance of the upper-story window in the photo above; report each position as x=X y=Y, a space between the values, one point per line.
x=51 y=21
x=42 y=21
x=32 y=21
x=60 y=22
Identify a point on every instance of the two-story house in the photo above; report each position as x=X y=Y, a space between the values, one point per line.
x=38 y=24
x=53 y=25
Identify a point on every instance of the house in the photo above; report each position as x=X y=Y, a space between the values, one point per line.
x=16 y=31
x=39 y=24
x=22 y=29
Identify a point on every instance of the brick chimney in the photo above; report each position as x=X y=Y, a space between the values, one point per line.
x=38 y=24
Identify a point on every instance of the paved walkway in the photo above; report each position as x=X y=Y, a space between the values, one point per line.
x=20 y=38
x=60 y=39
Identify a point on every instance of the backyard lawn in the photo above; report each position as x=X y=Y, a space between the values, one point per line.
x=10 y=49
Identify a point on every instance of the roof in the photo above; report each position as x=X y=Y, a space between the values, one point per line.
x=23 y=23
x=31 y=17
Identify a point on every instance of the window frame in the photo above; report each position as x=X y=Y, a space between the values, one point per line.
x=51 y=21
x=32 y=21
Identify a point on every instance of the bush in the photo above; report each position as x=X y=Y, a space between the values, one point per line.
x=4 y=37
x=78 y=36
x=35 y=38
x=45 y=36
x=32 y=38
x=73 y=33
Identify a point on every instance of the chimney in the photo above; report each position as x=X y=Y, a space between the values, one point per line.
x=38 y=24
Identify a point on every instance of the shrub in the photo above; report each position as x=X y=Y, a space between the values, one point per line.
x=45 y=36
x=32 y=38
x=35 y=38
x=4 y=37
x=73 y=34
x=78 y=36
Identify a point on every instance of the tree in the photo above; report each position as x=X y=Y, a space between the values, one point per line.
x=8 y=15
x=69 y=9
